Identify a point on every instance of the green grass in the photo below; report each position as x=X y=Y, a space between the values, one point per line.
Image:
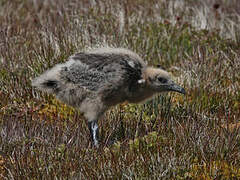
x=195 y=136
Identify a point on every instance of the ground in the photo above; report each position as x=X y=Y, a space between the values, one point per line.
x=172 y=136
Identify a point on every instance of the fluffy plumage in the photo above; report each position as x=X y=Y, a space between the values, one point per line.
x=93 y=81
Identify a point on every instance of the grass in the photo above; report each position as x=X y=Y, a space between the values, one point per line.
x=169 y=137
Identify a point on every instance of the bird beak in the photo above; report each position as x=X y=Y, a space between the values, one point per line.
x=176 y=88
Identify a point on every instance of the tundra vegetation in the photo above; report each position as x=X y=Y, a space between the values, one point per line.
x=195 y=136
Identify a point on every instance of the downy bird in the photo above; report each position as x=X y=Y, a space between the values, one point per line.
x=94 y=80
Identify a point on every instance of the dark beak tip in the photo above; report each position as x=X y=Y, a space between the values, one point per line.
x=179 y=89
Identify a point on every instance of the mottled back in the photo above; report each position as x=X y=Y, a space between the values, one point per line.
x=105 y=73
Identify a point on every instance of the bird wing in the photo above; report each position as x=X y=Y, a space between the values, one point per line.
x=97 y=72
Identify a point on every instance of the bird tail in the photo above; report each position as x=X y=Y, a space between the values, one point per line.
x=50 y=80
x=46 y=83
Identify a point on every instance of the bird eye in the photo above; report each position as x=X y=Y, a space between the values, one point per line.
x=162 y=80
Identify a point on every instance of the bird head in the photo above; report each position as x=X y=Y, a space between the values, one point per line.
x=159 y=80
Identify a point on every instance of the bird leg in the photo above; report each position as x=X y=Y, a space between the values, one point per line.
x=93 y=127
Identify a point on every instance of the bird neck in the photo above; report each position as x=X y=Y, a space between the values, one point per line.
x=143 y=91
x=141 y=94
